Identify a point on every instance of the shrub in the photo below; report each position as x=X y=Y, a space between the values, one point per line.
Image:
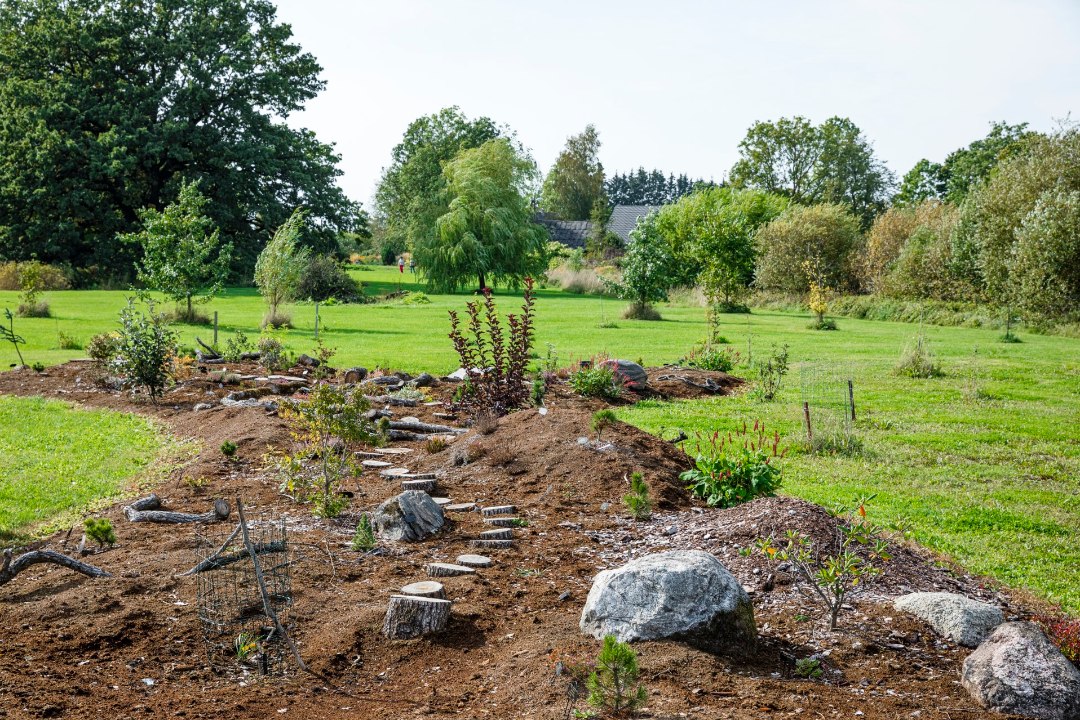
x=809 y=668
x=577 y=281
x=601 y=420
x=415 y=298
x=323 y=278
x=770 y=373
x=228 y=448
x=917 y=360
x=100 y=530
x=833 y=579
x=38 y=309
x=145 y=348
x=485 y=422
x=66 y=342
x=648 y=270
x=276 y=320
x=736 y=467
x=495 y=359
x=1065 y=633
x=638 y=311
x=272 y=353
x=364 y=536
x=435 y=445
x=103 y=348
x=826 y=235
x=49 y=277
x=613 y=686
x=637 y=500
x=31 y=282
x=236 y=347
x=599 y=381
x=713 y=359
x=38 y=366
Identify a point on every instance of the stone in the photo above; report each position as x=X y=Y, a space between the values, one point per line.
x=957 y=618
x=633 y=375
x=424 y=380
x=410 y=516
x=355 y=375
x=1018 y=670
x=393 y=451
x=202 y=406
x=458 y=375
x=683 y=594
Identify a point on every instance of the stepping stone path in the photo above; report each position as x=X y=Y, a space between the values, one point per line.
x=420 y=476
x=500 y=534
x=448 y=570
x=506 y=522
x=502 y=538
x=394 y=471
x=475 y=561
x=425 y=485
x=375 y=463
x=425 y=588
x=499 y=510
x=393 y=451
x=460 y=507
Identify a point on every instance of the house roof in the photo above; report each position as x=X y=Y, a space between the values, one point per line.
x=625 y=217
x=572 y=233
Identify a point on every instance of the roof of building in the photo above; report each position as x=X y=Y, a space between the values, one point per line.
x=624 y=218
x=572 y=233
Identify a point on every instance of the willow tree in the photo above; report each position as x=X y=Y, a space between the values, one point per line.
x=280 y=267
x=487 y=232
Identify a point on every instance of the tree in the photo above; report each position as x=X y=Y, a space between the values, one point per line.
x=648 y=270
x=109 y=107
x=832 y=162
x=575 y=185
x=819 y=243
x=712 y=236
x=1045 y=279
x=926 y=181
x=412 y=193
x=179 y=245
x=487 y=232
x=280 y=267
x=650 y=188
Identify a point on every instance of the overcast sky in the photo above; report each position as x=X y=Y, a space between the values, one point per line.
x=675 y=84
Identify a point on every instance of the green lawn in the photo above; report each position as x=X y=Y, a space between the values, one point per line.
x=57 y=459
x=983 y=463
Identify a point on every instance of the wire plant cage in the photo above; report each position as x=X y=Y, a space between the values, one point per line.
x=828 y=405
x=238 y=635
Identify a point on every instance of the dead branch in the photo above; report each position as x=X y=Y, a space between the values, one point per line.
x=11 y=568
x=219 y=512
x=221 y=560
x=427 y=428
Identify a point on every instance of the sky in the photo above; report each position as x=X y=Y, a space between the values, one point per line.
x=675 y=85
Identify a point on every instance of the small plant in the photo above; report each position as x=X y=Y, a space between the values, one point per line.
x=809 y=668
x=1065 y=633
x=833 y=579
x=364 y=537
x=8 y=334
x=38 y=366
x=31 y=282
x=435 y=445
x=819 y=305
x=408 y=391
x=602 y=420
x=713 y=359
x=495 y=359
x=324 y=354
x=538 y=390
x=528 y=572
x=272 y=353
x=228 y=448
x=100 y=530
x=103 y=348
x=736 y=467
x=245 y=646
x=145 y=348
x=485 y=422
x=917 y=360
x=770 y=374
x=415 y=298
x=196 y=483
x=597 y=380
x=637 y=500
x=519 y=523
x=66 y=342
x=236 y=347
x=613 y=686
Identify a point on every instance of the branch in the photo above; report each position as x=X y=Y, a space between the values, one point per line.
x=34 y=557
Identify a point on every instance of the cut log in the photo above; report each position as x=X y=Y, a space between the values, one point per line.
x=492 y=544
x=474 y=561
x=460 y=507
x=411 y=617
x=220 y=511
x=11 y=568
x=447 y=570
x=406 y=436
x=393 y=451
x=499 y=510
x=419 y=476
x=427 y=486
x=500 y=534
x=425 y=588
x=150 y=502
x=387 y=400
x=395 y=472
x=441 y=501
x=375 y=463
x=506 y=522
x=425 y=428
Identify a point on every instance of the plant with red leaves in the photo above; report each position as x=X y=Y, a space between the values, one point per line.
x=735 y=467
x=495 y=359
x=1065 y=633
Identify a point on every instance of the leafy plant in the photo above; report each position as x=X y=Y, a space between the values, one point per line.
x=494 y=359
x=917 y=360
x=364 y=539
x=833 y=579
x=408 y=391
x=103 y=348
x=38 y=366
x=1065 y=633
x=326 y=419
x=809 y=668
x=435 y=445
x=236 y=347
x=8 y=334
x=597 y=380
x=710 y=358
x=228 y=448
x=245 y=645
x=601 y=420
x=648 y=270
x=145 y=347
x=279 y=268
x=770 y=373
x=31 y=282
x=637 y=500
x=613 y=686
x=736 y=467
x=66 y=342
x=100 y=530
x=272 y=353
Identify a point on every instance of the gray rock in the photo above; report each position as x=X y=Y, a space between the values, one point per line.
x=410 y=516
x=632 y=374
x=424 y=380
x=955 y=617
x=458 y=375
x=685 y=594
x=1018 y=670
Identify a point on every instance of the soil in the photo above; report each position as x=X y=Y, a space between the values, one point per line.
x=131 y=646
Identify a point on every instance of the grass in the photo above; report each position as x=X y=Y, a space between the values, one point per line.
x=57 y=459
x=982 y=464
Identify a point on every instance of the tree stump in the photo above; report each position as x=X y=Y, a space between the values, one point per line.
x=500 y=534
x=393 y=451
x=395 y=472
x=408 y=616
x=474 y=561
x=425 y=588
x=492 y=544
x=506 y=522
x=499 y=510
x=448 y=570
x=460 y=507
x=427 y=486
x=375 y=463
x=441 y=501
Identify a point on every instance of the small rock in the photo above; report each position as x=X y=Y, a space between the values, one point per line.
x=410 y=516
x=424 y=380
x=564 y=596
x=605 y=506
x=671 y=529
x=955 y=617
x=202 y=406
x=632 y=374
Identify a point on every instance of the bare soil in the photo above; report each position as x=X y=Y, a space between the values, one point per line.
x=73 y=647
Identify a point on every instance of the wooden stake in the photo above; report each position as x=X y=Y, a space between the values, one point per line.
x=851 y=399
x=806 y=416
x=215 y=329
x=316 y=322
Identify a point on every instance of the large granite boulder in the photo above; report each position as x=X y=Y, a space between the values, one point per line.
x=1018 y=670
x=413 y=515
x=684 y=594
x=958 y=618
x=632 y=374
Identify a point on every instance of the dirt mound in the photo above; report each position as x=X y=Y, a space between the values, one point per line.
x=677 y=383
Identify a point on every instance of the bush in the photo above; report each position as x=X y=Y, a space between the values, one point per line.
x=415 y=298
x=601 y=420
x=236 y=347
x=364 y=536
x=734 y=468
x=599 y=381
x=145 y=348
x=770 y=373
x=713 y=359
x=228 y=448
x=324 y=278
x=103 y=348
x=49 y=277
x=917 y=360
x=66 y=342
x=827 y=236
x=1065 y=633
x=36 y=309
x=577 y=281
x=272 y=353
x=638 y=311
x=637 y=500
x=613 y=687
x=100 y=530
x=276 y=320
x=496 y=360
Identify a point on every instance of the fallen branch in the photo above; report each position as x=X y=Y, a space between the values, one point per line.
x=212 y=353
x=12 y=568
x=218 y=561
x=150 y=502
x=388 y=400
x=220 y=511
x=426 y=428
